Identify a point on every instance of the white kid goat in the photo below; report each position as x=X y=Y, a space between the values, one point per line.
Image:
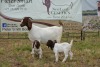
x=61 y=47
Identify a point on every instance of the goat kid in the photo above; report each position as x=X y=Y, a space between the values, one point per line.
x=61 y=47
x=36 y=49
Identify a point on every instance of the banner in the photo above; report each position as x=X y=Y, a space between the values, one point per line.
x=98 y=10
x=42 y=9
x=89 y=7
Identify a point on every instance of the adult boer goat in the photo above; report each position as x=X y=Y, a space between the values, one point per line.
x=42 y=34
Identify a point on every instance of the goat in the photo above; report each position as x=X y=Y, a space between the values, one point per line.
x=36 y=49
x=60 y=47
x=42 y=34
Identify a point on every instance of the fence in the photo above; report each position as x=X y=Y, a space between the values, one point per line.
x=91 y=34
x=82 y=34
x=15 y=35
x=79 y=35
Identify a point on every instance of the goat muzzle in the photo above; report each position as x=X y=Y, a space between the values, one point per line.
x=21 y=25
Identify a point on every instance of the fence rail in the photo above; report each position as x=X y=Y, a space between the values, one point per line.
x=78 y=35
x=9 y=35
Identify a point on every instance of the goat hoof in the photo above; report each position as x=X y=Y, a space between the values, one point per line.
x=40 y=58
x=33 y=56
x=63 y=61
x=55 y=61
x=70 y=58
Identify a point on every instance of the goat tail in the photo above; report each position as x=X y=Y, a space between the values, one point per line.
x=61 y=24
x=71 y=42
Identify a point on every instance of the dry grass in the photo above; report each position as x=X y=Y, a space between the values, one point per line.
x=17 y=53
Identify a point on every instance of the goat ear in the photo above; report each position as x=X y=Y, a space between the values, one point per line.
x=37 y=44
x=48 y=47
x=29 y=24
x=33 y=44
x=48 y=44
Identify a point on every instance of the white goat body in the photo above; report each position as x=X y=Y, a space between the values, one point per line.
x=63 y=47
x=45 y=34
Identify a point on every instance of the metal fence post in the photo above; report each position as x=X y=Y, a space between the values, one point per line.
x=81 y=35
x=8 y=35
x=67 y=36
x=98 y=33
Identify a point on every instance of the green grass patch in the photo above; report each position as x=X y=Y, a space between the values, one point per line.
x=17 y=53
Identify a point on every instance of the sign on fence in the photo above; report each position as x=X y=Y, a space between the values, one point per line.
x=11 y=26
x=43 y=9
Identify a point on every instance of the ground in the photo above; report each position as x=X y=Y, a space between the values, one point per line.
x=17 y=53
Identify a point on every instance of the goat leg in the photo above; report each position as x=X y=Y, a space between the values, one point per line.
x=71 y=54
x=66 y=55
x=56 y=57
x=40 y=53
x=32 y=52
